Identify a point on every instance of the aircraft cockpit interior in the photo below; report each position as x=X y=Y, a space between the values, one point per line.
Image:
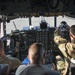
x=17 y=42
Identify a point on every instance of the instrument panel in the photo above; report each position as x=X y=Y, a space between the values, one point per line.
x=27 y=37
x=41 y=36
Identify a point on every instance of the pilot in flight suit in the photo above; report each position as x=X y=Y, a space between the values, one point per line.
x=67 y=48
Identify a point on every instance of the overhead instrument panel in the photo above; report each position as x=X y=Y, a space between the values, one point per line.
x=45 y=6
x=37 y=7
x=15 y=6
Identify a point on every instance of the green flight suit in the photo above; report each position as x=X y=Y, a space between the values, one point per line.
x=11 y=61
x=68 y=50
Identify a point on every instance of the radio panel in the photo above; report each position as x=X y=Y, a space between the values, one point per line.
x=42 y=37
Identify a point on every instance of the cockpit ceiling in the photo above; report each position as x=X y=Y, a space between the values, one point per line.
x=37 y=7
